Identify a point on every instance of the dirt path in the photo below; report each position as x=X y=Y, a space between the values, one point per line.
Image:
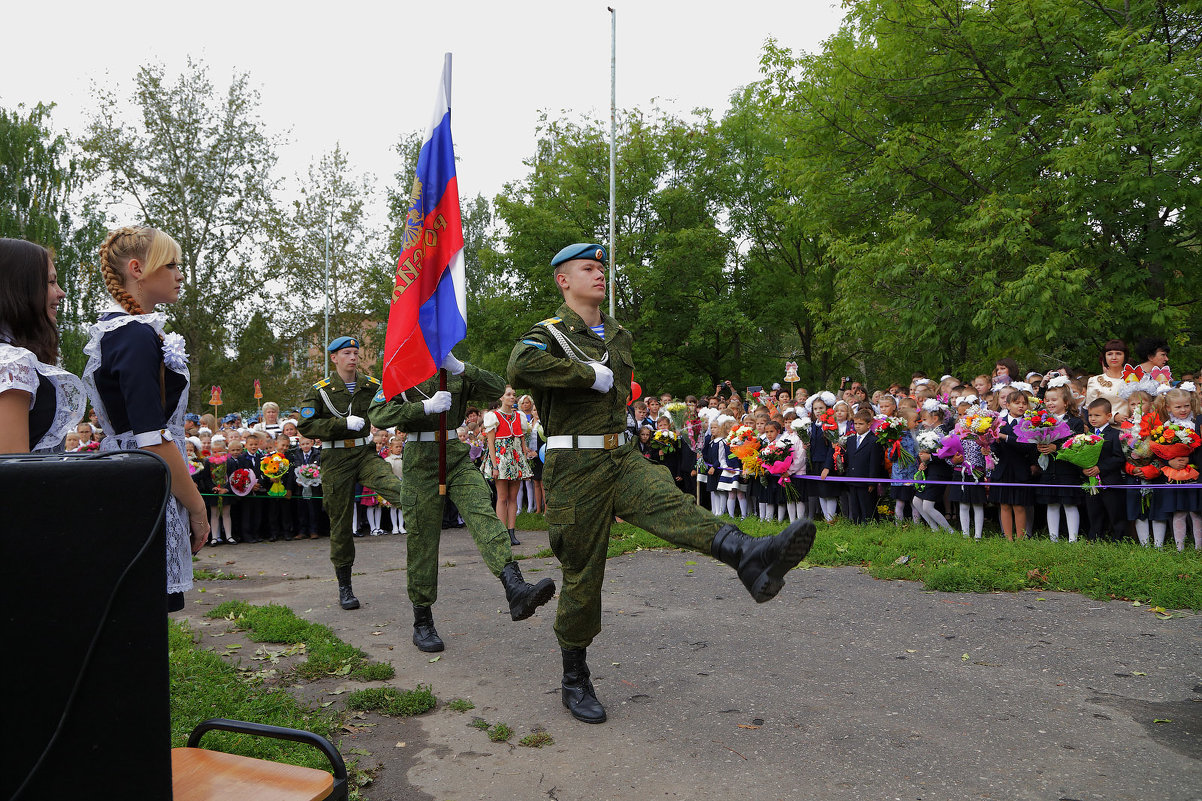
x=844 y=687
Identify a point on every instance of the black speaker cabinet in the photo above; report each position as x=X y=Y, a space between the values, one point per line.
x=82 y=534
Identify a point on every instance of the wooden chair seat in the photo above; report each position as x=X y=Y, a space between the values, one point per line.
x=198 y=774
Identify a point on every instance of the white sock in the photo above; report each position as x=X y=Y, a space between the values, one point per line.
x=1141 y=531
x=529 y=494
x=743 y=508
x=1054 y=521
x=354 y=517
x=965 y=519
x=978 y=519
x=829 y=507
x=915 y=512
x=899 y=511
x=1179 y=529
x=794 y=511
x=1195 y=520
x=732 y=503
x=1072 y=515
x=1159 y=528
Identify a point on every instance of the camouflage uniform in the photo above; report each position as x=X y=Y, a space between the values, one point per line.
x=420 y=501
x=586 y=488
x=342 y=467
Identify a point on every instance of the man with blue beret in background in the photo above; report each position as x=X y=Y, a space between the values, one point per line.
x=578 y=367
x=335 y=411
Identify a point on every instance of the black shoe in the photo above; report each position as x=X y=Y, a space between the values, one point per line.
x=523 y=597
x=762 y=562
x=513 y=540
x=425 y=637
x=346 y=596
x=578 y=694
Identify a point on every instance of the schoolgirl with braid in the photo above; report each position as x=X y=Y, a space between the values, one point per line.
x=137 y=376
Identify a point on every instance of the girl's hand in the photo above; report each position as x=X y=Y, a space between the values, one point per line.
x=1092 y=471
x=1046 y=449
x=825 y=472
x=958 y=459
x=1034 y=470
x=711 y=471
x=924 y=457
x=199 y=524
x=1179 y=462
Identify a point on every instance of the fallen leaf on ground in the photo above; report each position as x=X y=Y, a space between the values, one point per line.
x=748 y=726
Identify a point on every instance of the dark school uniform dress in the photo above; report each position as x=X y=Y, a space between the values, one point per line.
x=1107 y=510
x=1067 y=477
x=58 y=399
x=822 y=454
x=902 y=488
x=1173 y=499
x=971 y=473
x=936 y=470
x=1013 y=466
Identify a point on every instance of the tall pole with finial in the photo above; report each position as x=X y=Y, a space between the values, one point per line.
x=613 y=127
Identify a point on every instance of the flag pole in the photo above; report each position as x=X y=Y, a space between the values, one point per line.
x=442 y=438
x=613 y=117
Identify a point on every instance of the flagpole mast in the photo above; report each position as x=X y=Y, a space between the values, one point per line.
x=613 y=117
x=327 y=315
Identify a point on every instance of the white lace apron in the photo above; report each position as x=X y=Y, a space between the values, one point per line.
x=179 y=532
x=19 y=369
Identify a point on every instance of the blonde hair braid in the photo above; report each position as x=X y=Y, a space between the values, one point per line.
x=119 y=247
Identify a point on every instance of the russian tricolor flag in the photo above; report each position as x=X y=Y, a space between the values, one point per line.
x=429 y=301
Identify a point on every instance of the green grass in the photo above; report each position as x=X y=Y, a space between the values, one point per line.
x=948 y=562
x=327 y=655
x=204 y=686
x=536 y=740
x=205 y=574
x=479 y=723
x=500 y=733
x=460 y=705
x=391 y=701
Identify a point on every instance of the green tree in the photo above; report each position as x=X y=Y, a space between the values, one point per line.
x=197 y=164
x=39 y=185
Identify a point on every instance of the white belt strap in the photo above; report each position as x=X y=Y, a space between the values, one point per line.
x=588 y=441
x=432 y=436
x=345 y=443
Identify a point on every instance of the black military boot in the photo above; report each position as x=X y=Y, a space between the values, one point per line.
x=424 y=635
x=513 y=540
x=346 y=596
x=524 y=598
x=762 y=562
x=578 y=694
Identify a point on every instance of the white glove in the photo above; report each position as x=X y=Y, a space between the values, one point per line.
x=354 y=422
x=452 y=365
x=605 y=377
x=438 y=404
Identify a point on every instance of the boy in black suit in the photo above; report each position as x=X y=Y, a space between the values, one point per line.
x=1107 y=509
x=865 y=459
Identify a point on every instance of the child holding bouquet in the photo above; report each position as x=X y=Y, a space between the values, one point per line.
x=971 y=493
x=1178 y=409
x=824 y=435
x=217 y=483
x=1141 y=468
x=279 y=507
x=1068 y=477
x=731 y=469
x=865 y=459
x=307 y=502
x=904 y=467
x=781 y=470
x=1015 y=461
x=929 y=439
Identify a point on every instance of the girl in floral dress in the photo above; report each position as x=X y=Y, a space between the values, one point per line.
x=507 y=455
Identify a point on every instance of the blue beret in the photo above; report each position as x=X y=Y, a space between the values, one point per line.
x=342 y=342
x=192 y=417
x=581 y=250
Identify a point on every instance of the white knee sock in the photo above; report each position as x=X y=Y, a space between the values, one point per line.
x=529 y=494
x=978 y=519
x=899 y=511
x=743 y=504
x=354 y=517
x=1195 y=520
x=768 y=511
x=1159 y=527
x=794 y=511
x=829 y=507
x=965 y=518
x=1141 y=531
x=1179 y=529
x=373 y=518
x=915 y=512
x=933 y=516
x=1072 y=515
x=732 y=503
x=717 y=502
x=1054 y=521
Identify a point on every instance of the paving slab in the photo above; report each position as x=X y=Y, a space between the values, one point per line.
x=843 y=687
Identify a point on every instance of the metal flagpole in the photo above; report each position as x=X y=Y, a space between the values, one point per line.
x=326 y=341
x=613 y=117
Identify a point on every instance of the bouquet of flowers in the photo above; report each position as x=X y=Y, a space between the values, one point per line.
x=929 y=441
x=889 y=432
x=193 y=467
x=1170 y=441
x=748 y=452
x=950 y=447
x=665 y=441
x=801 y=427
x=830 y=427
x=1083 y=450
x=1041 y=428
x=979 y=427
x=307 y=477
x=88 y=447
x=217 y=465
x=676 y=412
x=242 y=481
x=776 y=460
x=275 y=467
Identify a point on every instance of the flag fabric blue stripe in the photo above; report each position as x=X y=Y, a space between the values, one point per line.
x=436 y=164
x=441 y=323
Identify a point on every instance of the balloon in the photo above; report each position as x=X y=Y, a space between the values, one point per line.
x=636 y=392
x=542 y=453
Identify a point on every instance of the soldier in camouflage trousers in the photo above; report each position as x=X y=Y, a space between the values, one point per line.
x=578 y=366
x=416 y=411
x=335 y=412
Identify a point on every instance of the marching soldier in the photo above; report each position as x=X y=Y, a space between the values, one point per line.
x=416 y=411
x=335 y=412
x=578 y=367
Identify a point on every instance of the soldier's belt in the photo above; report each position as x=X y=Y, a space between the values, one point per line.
x=345 y=443
x=432 y=436
x=588 y=441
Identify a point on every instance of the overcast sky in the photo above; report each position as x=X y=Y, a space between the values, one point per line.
x=364 y=73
